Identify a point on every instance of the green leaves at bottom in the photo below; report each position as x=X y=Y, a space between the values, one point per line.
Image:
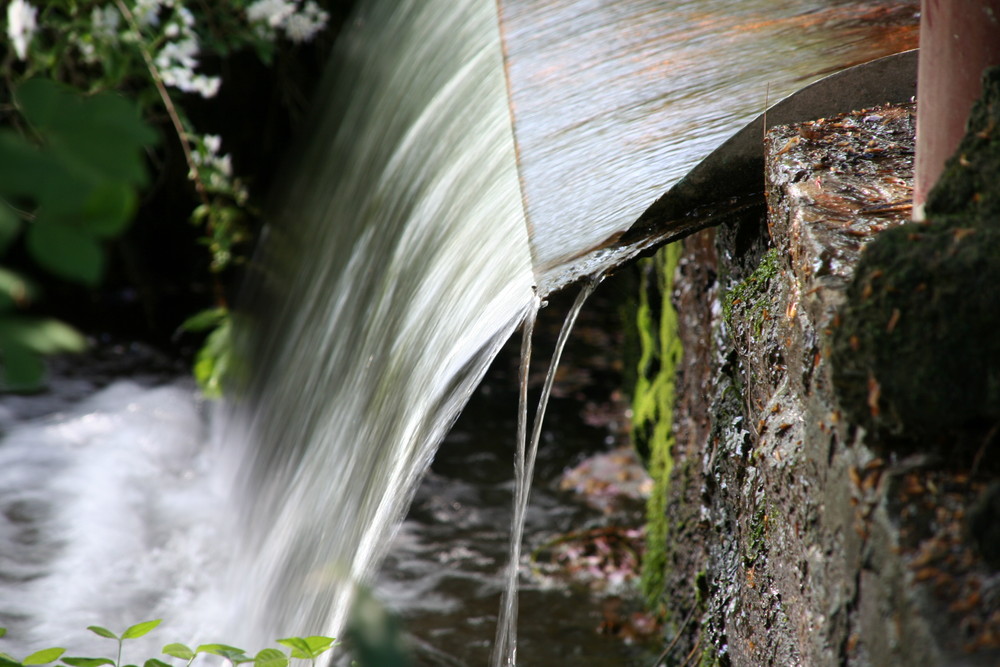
x=44 y=656
x=231 y=653
x=177 y=650
x=102 y=632
x=270 y=657
x=139 y=629
x=88 y=662
x=308 y=648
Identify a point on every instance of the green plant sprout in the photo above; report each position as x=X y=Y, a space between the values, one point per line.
x=302 y=648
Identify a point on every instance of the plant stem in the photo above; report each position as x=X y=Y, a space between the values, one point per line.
x=168 y=102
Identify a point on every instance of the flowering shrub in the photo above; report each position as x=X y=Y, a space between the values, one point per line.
x=152 y=52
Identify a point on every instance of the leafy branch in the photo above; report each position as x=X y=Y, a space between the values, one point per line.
x=142 y=52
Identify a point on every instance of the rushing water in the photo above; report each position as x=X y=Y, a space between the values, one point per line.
x=406 y=268
x=400 y=261
x=398 y=266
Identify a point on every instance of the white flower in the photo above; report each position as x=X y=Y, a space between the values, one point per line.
x=213 y=143
x=21 y=26
x=206 y=86
x=225 y=165
x=186 y=16
x=272 y=12
x=105 y=21
x=88 y=51
x=180 y=54
x=303 y=26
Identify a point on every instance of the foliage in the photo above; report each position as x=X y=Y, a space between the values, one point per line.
x=212 y=364
x=302 y=648
x=71 y=163
x=68 y=181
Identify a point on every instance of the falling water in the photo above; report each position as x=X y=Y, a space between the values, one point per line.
x=505 y=647
x=397 y=265
x=405 y=265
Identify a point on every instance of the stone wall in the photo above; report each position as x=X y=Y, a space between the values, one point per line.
x=792 y=535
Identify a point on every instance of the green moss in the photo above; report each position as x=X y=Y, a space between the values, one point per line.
x=756 y=542
x=709 y=657
x=653 y=406
x=969 y=184
x=916 y=352
x=749 y=298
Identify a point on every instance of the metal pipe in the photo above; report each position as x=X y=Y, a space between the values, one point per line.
x=958 y=40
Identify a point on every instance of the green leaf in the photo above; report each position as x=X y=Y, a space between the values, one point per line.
x=225 y=651
x=40 y=335
x=205 y=319
x=7 y=661
x=103 y=132
x=88 y=662
x=176 y=650
x=154 y=662
x=109 y=208
x=103 y=632
x=270 y=657
x=308 y=648
x=23 y=369
x=44 y=656
x=16 y=290
x=10 y=227
x=213 y=360
x=3 y=633
x=140 y=629
x=66 y=251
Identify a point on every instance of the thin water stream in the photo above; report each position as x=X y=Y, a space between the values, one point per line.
x=449 y=563
x=505 y=646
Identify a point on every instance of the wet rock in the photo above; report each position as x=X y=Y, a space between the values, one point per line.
x=983 y=525
x=915 y=351
x=793 y=536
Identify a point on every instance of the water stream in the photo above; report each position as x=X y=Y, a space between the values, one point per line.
x=403 y=265
x=505 y=646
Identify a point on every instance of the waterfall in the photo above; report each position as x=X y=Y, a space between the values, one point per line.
x=404 y=264
x=397 y=265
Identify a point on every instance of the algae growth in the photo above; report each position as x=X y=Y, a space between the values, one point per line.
x=748 y=297
x=653 y=405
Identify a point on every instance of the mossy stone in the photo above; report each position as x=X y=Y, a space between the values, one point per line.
x=916 y=346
